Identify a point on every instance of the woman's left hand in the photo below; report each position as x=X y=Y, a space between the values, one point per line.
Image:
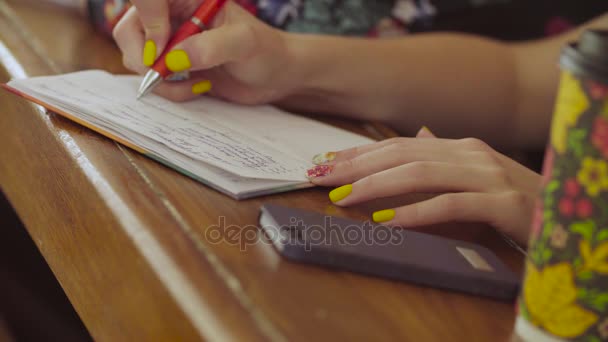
x=477 y=183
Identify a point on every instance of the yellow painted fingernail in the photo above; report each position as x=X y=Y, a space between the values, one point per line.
x=340 y=193
x=178 y=60
x=383 y=215
x=323 y=158
x=201 y=87
x=427 y=129
x=149 y=53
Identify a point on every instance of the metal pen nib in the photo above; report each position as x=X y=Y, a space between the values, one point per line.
x=150 y=80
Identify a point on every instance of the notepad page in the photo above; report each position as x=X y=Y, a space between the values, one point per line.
x=241 y=150
x=221 y=180
x=224 y=181
x=110 y=101
x=297 y=135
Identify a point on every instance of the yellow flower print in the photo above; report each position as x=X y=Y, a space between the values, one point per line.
x=550 y=297
x=593 y=175
x=595 y=260
x=571 y=103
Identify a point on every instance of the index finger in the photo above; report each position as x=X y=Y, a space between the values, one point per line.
x=350 y=153
x=155 y=19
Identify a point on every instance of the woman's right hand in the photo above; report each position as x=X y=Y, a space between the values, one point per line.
x=240 y=58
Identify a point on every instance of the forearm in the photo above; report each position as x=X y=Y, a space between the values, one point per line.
x=537 y=82
x=457 y=85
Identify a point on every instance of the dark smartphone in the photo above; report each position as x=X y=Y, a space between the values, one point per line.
x=393 y=253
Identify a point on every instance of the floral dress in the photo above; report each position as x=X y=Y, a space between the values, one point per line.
x=503 y=19
x=389 y=18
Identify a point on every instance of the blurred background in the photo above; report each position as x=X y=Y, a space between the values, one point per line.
x=502 y=19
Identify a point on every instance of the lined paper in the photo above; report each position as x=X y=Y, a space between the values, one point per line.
x=206 y=138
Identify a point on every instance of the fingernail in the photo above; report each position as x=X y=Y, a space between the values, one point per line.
x=149 y=53
x=201 y=87
x=426 y=129
x=340 y=193
x=383 y=215
x=323 y=158
x=319 y=171
x=178 y=60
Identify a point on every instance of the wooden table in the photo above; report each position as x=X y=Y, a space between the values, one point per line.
x=125 y=236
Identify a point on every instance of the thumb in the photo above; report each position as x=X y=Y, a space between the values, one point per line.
x=424 y=132
x=213 y=48
x=154 y=17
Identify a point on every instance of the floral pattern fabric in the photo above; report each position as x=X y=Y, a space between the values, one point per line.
x=381 y=18
x=566 y=286
x=384 y=18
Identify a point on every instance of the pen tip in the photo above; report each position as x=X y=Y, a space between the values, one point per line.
x=150 y=80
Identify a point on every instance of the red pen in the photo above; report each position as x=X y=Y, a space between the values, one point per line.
x=200 y=20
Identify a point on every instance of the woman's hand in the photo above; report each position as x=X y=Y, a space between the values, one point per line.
x=478 y=183
x=240 y=58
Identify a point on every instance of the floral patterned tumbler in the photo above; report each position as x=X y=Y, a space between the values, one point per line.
x=565 y=291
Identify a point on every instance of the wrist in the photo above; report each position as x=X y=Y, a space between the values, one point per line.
x=307 y=69
x=301 y=65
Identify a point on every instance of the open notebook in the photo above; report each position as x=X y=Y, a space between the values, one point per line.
x=243 y=151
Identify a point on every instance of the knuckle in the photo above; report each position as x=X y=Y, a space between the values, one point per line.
x=134 y=65
x=395 y=141
x=501 y=175
x=486 y=158
x=156 y=26
x=417 y=169
x=247 y=36
x=246 y=30
x=391 y=150
x=121 y=39
x=128 y=63
x=449 y=205
x=199 y=50
x=117 y=31
x=481 y=157
x=475 y=144
x=358 y=150
x=246 y=27
x=412 y=215
x=518 y=200
x=347 y=169
x=367 y=183
x=395 y=148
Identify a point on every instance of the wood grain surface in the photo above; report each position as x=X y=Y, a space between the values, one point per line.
x=128 y=239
